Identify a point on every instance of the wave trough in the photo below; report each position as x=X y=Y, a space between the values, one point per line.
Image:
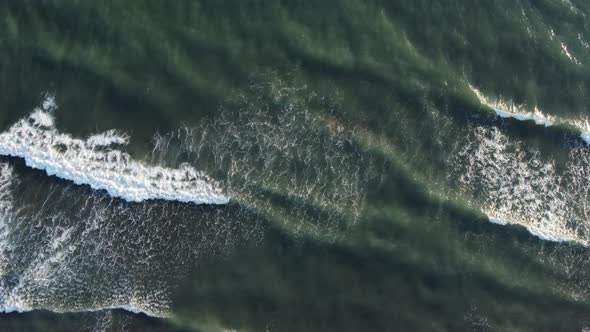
x=96 y=162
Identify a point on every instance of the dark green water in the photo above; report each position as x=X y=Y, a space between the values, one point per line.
x=358 y=143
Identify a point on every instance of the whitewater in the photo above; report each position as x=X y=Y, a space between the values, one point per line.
x=16 y=299
x=521 y=187
x=97 y=162
x=510 y=110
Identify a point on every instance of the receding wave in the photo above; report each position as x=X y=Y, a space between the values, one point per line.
x=98 y=163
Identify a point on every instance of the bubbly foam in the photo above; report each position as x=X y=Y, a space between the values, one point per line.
x=512 y=183
x=505 y=109
x=108 y=138
x=276 y=144
x=7 y=309
x=52 y=245
x=6 y=215
x=97 y=163
x=53 y=240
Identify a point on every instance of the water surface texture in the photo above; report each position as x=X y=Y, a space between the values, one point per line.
x=409 y=165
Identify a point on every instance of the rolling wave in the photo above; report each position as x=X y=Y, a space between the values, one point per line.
x=96 y=162
x=515 y=183
x=288 y=168
x=510 y=110
x=13 y=308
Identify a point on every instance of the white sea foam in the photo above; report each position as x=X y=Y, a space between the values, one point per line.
x=568 y=54
x=505 y=109
x=533 y=230
x=564 y=49
x=257 y=149
x=512 y=183
x=586 y=137
x=107 y=138
x=42 y=118
x=95 y=162
x=6 y=309
x=51 y=265
x=511 y=110
x=49 y=103
x=497 y=221
x=523 y=117
x=49 y=254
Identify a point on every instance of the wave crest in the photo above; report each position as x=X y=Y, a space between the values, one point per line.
x=95 y=162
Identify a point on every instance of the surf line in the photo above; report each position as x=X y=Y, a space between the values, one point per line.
x=97 y=162
x=7 y=309
x=505 y=110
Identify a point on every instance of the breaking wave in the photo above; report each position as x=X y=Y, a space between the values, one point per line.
x=96 y=162
x=66 y=249
x=506 y=109
x=515 y=183
x=510 y=110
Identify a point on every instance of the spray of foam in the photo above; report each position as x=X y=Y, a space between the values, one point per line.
x=513 y=184
x=97 y=163
x=506 y=109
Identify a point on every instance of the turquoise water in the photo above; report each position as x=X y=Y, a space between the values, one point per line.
x=389 y=165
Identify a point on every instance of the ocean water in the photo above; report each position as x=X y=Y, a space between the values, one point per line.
x=347 y=165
